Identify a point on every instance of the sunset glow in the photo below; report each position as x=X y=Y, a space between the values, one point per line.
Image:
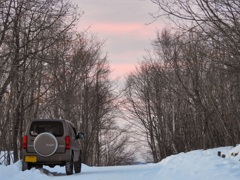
x=122 y=25
x=123 y=28
x=121 y=70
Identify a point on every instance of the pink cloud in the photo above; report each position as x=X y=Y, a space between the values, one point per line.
x=123 y=28
x=122 y=69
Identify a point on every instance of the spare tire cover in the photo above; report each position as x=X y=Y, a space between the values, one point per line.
x=45 y=144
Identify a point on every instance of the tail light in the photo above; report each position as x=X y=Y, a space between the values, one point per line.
x=67 y=140
x=25 y=142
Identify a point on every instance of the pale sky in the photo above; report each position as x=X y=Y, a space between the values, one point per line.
x=122 y=25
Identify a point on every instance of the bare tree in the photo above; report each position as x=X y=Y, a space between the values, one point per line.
x=184 y=85
x=180 y=97
x=30 y=28
x=218 y=20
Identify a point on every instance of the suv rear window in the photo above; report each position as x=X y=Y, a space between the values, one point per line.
x=38 y=127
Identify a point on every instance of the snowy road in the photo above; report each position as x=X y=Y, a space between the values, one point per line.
x=194 y=165
x=114 y=173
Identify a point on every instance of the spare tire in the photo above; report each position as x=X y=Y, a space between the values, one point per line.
x=45 y=144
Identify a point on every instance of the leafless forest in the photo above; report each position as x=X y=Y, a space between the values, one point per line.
x=49 y=71
x=185 y=94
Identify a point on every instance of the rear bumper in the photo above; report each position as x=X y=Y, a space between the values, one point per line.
x=55 y=159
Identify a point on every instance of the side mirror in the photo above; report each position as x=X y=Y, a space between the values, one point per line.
x=80 y=136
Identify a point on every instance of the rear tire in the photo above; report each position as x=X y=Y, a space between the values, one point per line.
x=25 y=166
x=69 y=167
x=78 y=165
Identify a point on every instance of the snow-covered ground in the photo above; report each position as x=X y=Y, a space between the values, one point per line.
x=196 y=165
